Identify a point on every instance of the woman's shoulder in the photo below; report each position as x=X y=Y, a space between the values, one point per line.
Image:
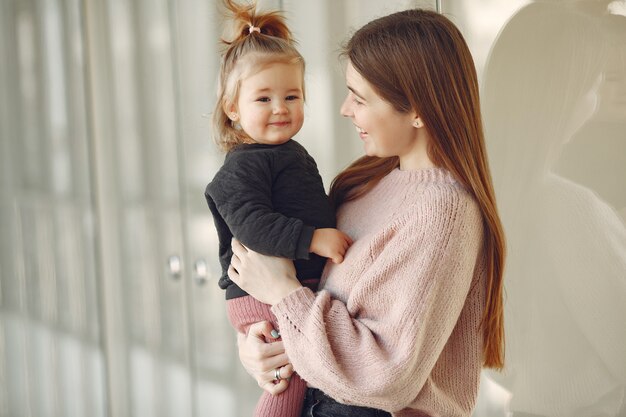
x=410 y=197
x=436 y=188
x=448 y=194
x=440 y=202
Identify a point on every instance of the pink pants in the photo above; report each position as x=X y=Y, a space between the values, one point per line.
x=242 y=313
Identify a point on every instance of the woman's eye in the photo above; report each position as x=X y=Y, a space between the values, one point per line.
x=355 y=99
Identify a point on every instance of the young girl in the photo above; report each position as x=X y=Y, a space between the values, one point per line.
x=268 y=194
x=406 y=322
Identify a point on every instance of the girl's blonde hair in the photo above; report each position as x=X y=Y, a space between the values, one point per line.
x=417 y=60
x=255 y=41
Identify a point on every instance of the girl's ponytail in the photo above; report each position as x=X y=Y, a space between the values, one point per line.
x=247 y=22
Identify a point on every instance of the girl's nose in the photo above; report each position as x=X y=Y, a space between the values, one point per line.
x=280 y=108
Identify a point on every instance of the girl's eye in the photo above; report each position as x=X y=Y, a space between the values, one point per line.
x=291 y=98
x=263 y=99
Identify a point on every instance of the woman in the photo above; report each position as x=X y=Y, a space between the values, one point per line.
x=409 y=318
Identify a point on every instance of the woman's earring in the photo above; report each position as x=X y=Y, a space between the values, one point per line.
x=418 y=123
x=234 y=116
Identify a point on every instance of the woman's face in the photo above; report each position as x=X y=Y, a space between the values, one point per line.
x=385 y=131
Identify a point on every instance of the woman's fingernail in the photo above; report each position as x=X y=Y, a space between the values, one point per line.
x=275 y=334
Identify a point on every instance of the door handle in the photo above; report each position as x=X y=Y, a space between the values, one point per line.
x=200 y=272
x=174 y=267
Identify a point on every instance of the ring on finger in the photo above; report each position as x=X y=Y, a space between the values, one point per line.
x=277 y=374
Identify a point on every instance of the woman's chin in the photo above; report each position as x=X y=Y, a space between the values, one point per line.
x=369 y=151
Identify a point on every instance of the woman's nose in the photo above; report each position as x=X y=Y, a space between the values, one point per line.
x=345 y=110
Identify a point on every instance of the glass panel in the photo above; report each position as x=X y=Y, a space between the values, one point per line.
x=555 y=116
x=138 y=171
x=50 y=346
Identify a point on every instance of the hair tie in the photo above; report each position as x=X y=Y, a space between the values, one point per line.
x=254 y=29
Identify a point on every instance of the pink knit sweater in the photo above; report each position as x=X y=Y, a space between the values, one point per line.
x=396 y=325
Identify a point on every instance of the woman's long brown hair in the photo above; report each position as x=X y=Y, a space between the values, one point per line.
x=418 y=60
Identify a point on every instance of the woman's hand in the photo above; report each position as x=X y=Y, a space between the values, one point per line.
x=261 y=360
x=267 y=278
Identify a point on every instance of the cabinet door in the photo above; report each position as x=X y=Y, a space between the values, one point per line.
x=136 y=149
x=51 y=351
x=220 y=386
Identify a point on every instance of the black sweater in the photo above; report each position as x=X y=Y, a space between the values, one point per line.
x=271 y=198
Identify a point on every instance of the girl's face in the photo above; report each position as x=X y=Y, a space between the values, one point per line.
x=270 y=107
x=385 y=131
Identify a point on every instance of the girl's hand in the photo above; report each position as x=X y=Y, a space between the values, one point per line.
x=267 y=278
x=330 y=243
x=261 y=359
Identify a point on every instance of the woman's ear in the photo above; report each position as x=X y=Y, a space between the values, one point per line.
x=417 y=122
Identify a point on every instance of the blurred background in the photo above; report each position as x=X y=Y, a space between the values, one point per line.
x=109 y=304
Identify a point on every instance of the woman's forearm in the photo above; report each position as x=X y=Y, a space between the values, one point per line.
x=268 y=279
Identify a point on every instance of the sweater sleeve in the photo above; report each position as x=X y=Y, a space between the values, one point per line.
x=242 y=193
x=378 y=348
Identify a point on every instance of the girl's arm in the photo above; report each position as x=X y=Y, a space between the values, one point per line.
x=241 y=193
